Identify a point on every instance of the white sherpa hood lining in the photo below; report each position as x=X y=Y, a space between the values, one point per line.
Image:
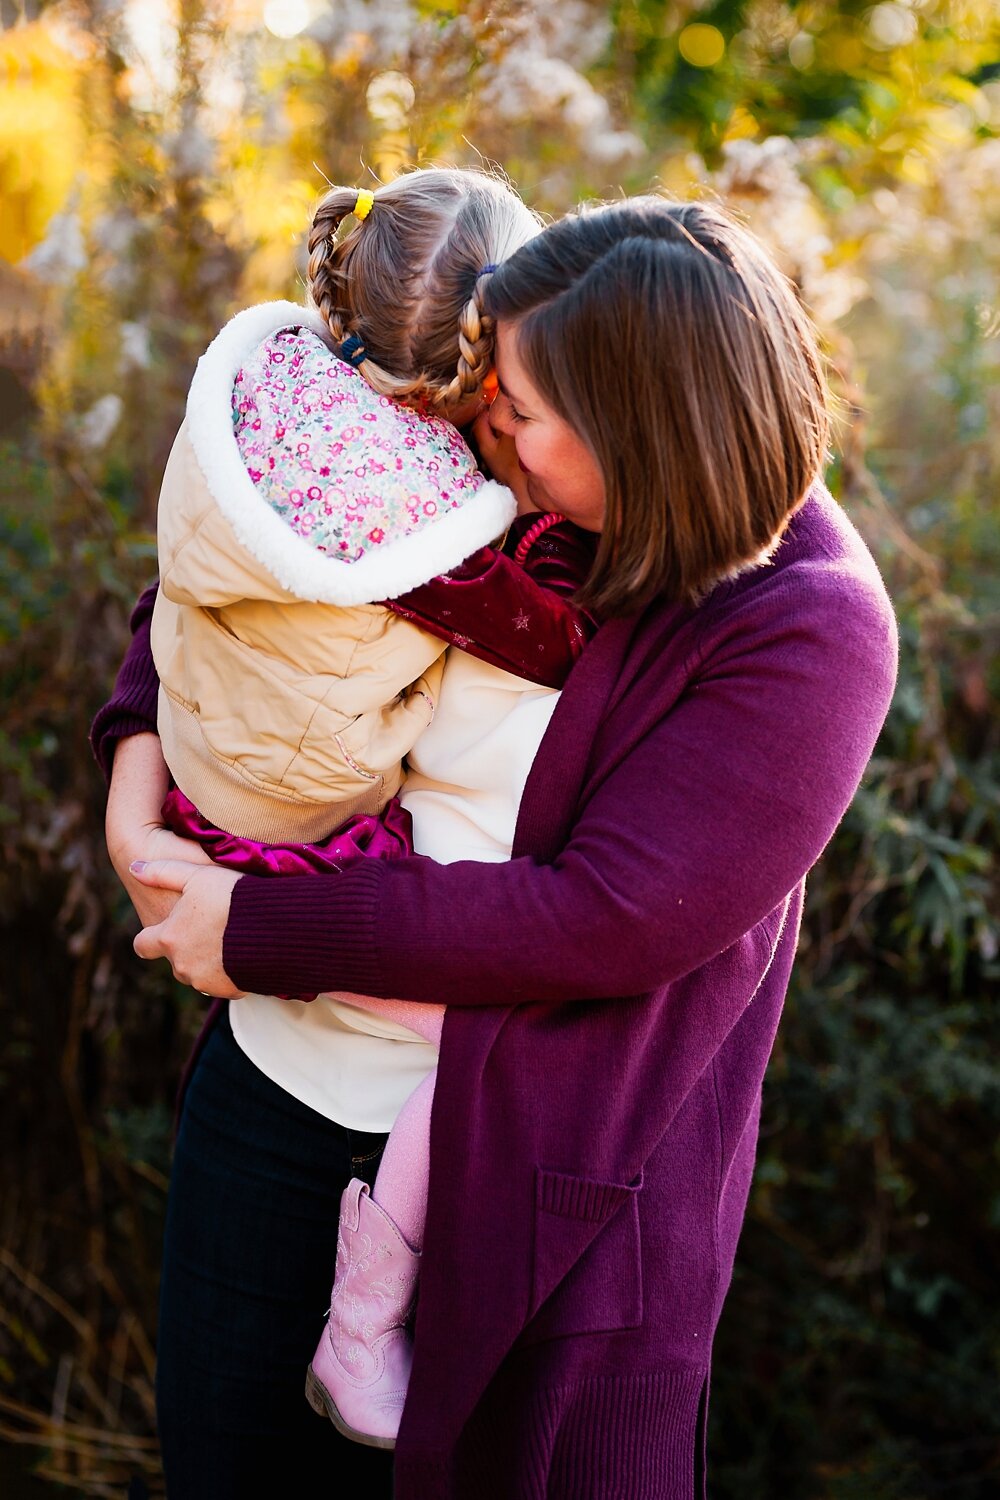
x=396 y=567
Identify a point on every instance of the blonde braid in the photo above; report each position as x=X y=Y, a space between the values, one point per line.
x=325 y=277
x=405 y=282
x=329 y=278
x=476 y=338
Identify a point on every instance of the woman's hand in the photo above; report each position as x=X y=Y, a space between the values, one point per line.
x=499 y=454
x=134 y=828
x=190 y=936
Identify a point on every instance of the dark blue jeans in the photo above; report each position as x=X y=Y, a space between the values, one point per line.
x=248 y=1263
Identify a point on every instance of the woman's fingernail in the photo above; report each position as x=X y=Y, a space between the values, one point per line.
x=137 y=866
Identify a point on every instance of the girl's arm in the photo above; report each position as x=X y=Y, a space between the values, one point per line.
x=514 y=610
x=484 y=598
x=513 y=607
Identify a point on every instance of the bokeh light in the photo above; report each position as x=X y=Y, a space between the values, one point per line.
x=390 y=96
x=702 y=46
x=891 y=25
x=802 y=51
x=286 y=18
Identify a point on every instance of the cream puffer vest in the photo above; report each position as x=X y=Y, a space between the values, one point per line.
x=289 y=696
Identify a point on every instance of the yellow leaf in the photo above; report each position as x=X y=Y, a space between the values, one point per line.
x=40 y=133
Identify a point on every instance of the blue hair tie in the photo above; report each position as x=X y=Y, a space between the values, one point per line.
x=353 y=350
x=486 y=271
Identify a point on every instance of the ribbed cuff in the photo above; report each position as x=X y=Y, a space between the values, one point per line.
x=303 y=935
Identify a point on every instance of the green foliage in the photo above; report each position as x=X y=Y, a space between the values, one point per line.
x=865 y=1271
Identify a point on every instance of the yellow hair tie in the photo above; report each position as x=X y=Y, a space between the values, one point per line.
x=363 y=205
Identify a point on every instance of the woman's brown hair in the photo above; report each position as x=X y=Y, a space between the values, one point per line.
x=407 y=281
x=667 y=338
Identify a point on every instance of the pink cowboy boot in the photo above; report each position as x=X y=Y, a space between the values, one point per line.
x=361 y=1368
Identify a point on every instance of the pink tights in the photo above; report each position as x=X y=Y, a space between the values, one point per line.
x=401 y=1185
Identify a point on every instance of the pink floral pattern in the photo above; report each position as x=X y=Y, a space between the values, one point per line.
x=349 y=470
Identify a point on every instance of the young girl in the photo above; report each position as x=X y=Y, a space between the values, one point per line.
x=323 y=536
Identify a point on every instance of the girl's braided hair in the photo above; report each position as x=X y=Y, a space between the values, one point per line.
x=408 y=282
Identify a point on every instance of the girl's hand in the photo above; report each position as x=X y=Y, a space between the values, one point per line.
x=190 y=936
x=499 y=454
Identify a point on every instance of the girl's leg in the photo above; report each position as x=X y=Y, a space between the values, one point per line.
x=251 y=1238
x=425 y=1020
x=361 y=1367
x=401 y=1185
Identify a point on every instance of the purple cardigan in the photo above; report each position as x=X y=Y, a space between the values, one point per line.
x=593 y=1148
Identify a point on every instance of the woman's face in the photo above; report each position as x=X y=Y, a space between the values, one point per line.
x=561 y=472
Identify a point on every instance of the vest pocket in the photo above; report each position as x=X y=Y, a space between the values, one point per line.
x=587 y=1264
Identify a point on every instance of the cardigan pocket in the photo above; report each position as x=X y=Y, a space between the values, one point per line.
x=587 y=1263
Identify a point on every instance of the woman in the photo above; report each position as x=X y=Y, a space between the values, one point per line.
x=614 y=989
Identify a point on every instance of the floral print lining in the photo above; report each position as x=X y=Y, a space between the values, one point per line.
x=347 y=469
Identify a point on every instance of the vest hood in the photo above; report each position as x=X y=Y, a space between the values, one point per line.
x=471 y=511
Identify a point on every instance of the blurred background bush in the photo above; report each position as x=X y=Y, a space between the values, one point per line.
x=158 y=164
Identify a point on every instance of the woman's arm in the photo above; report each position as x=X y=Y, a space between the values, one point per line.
x=131 y=709
x=685 y=842
x=133 y=825
x=127 y=748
